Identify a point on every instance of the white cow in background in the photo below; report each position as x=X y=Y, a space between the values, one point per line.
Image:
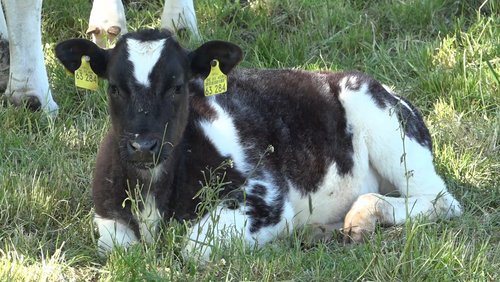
x=107 y=19
x=21 y=43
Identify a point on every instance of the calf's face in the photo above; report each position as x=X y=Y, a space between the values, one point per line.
x=148 y=75
x=148 y=98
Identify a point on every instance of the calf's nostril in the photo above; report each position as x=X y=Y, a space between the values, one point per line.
x=154 y=146
x=134 y=146
x=150 y=146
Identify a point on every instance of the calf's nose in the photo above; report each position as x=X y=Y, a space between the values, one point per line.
x=150 y=146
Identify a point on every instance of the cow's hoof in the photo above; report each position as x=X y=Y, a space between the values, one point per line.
x=27 y=97
x=105 y=38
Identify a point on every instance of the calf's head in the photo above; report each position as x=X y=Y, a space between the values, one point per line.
x=148 y=74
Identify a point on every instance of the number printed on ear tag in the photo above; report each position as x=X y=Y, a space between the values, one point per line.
x=85 y=76
x=216 y=81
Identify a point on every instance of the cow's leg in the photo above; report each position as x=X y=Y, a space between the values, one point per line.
x=179 y=14
x=4 y=52
x=28 y=79
x=256 y=222
x=401 y=161
x=107 y=22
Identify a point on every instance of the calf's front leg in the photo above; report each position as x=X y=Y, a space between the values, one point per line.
x=224 y=226
x=113 y=232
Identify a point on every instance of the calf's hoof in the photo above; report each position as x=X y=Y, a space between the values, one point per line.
x=361 y=220
x=321 y=233
x=356 y=234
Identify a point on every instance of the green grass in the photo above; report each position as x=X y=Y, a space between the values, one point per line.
x=441 y=54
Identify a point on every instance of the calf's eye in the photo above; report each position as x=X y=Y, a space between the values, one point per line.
x=178 y=89
x=113 y=90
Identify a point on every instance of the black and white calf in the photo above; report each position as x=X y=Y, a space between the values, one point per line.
x=341 y=142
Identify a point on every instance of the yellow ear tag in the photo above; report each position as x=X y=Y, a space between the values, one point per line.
x=85 y=76
x=216 y=81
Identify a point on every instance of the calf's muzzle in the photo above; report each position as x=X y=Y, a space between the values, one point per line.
x=143 y=150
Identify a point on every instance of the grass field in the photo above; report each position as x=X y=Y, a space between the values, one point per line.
x=444 y=55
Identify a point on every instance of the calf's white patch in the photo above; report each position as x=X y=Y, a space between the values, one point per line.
x=144 y=55
x=225 y=136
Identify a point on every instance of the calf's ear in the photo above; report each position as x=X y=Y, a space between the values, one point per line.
x=228 y=55
x=70 y=54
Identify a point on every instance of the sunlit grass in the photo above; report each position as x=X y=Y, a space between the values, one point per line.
x=443 y=55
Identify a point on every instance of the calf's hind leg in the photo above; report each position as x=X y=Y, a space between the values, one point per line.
x=423 y=193
x=404 y=163
x=370 y=209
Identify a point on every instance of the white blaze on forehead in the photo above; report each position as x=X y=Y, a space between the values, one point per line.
x=144 y=55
